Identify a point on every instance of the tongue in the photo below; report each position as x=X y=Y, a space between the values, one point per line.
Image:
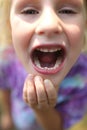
x=47 y=59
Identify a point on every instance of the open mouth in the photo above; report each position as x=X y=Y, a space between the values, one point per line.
x=48 y=60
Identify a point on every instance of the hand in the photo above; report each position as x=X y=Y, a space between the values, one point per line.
x=6 y=122
x=39 y=93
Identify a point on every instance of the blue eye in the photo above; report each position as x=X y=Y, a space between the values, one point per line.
x=29 y=11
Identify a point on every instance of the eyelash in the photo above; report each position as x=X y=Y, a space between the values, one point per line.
x=67 y=11
x=33 y=11
x=30 y=11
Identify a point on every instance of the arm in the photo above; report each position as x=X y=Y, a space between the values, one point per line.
x=50 y=119
x=41 y=96
x=5 y=103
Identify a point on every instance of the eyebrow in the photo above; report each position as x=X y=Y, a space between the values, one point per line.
x=28 y=1
x=24 y=2
x=71 y=1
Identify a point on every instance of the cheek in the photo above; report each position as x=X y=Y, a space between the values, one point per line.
x=76 y=40
x=76 y=36
x=21 y=33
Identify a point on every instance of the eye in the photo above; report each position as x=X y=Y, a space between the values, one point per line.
x=29 y=11
x=67 y=11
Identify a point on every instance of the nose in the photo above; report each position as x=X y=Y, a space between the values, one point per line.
x=48 y=24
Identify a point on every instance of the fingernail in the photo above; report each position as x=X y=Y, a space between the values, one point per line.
x=47 y=81
x=30 y=76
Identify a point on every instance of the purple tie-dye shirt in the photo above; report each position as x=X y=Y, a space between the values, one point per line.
x=72 y=95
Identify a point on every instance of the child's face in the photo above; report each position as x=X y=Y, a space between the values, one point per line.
x=48 y=35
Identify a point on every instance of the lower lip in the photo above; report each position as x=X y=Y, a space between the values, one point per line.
x=50 y=71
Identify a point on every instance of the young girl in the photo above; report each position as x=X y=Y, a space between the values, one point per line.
x=48 y=37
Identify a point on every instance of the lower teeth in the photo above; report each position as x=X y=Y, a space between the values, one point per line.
x=57 y=64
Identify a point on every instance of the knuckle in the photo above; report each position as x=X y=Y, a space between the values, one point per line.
x=42 y=102
x=32 y=105
x=52 y=101
x=32 y=102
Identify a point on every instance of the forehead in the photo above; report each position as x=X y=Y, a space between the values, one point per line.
x=54 y=3
x=47 y=1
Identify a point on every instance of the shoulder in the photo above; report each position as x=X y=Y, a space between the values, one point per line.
x=10 y=61
x=76 y=80
x=11 y=70
x=6 y=55
x=73 y=93
x=80 y=67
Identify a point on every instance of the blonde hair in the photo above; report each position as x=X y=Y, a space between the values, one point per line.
x=5 y=30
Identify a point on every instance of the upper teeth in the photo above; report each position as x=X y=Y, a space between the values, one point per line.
x=49 y=50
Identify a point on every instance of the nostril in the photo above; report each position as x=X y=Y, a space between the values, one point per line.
x=48 y=29
x=56 y=32
x=40 y=32
x=47 y=32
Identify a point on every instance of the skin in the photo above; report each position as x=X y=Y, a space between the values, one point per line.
x=6 y=117
x=53 y=22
